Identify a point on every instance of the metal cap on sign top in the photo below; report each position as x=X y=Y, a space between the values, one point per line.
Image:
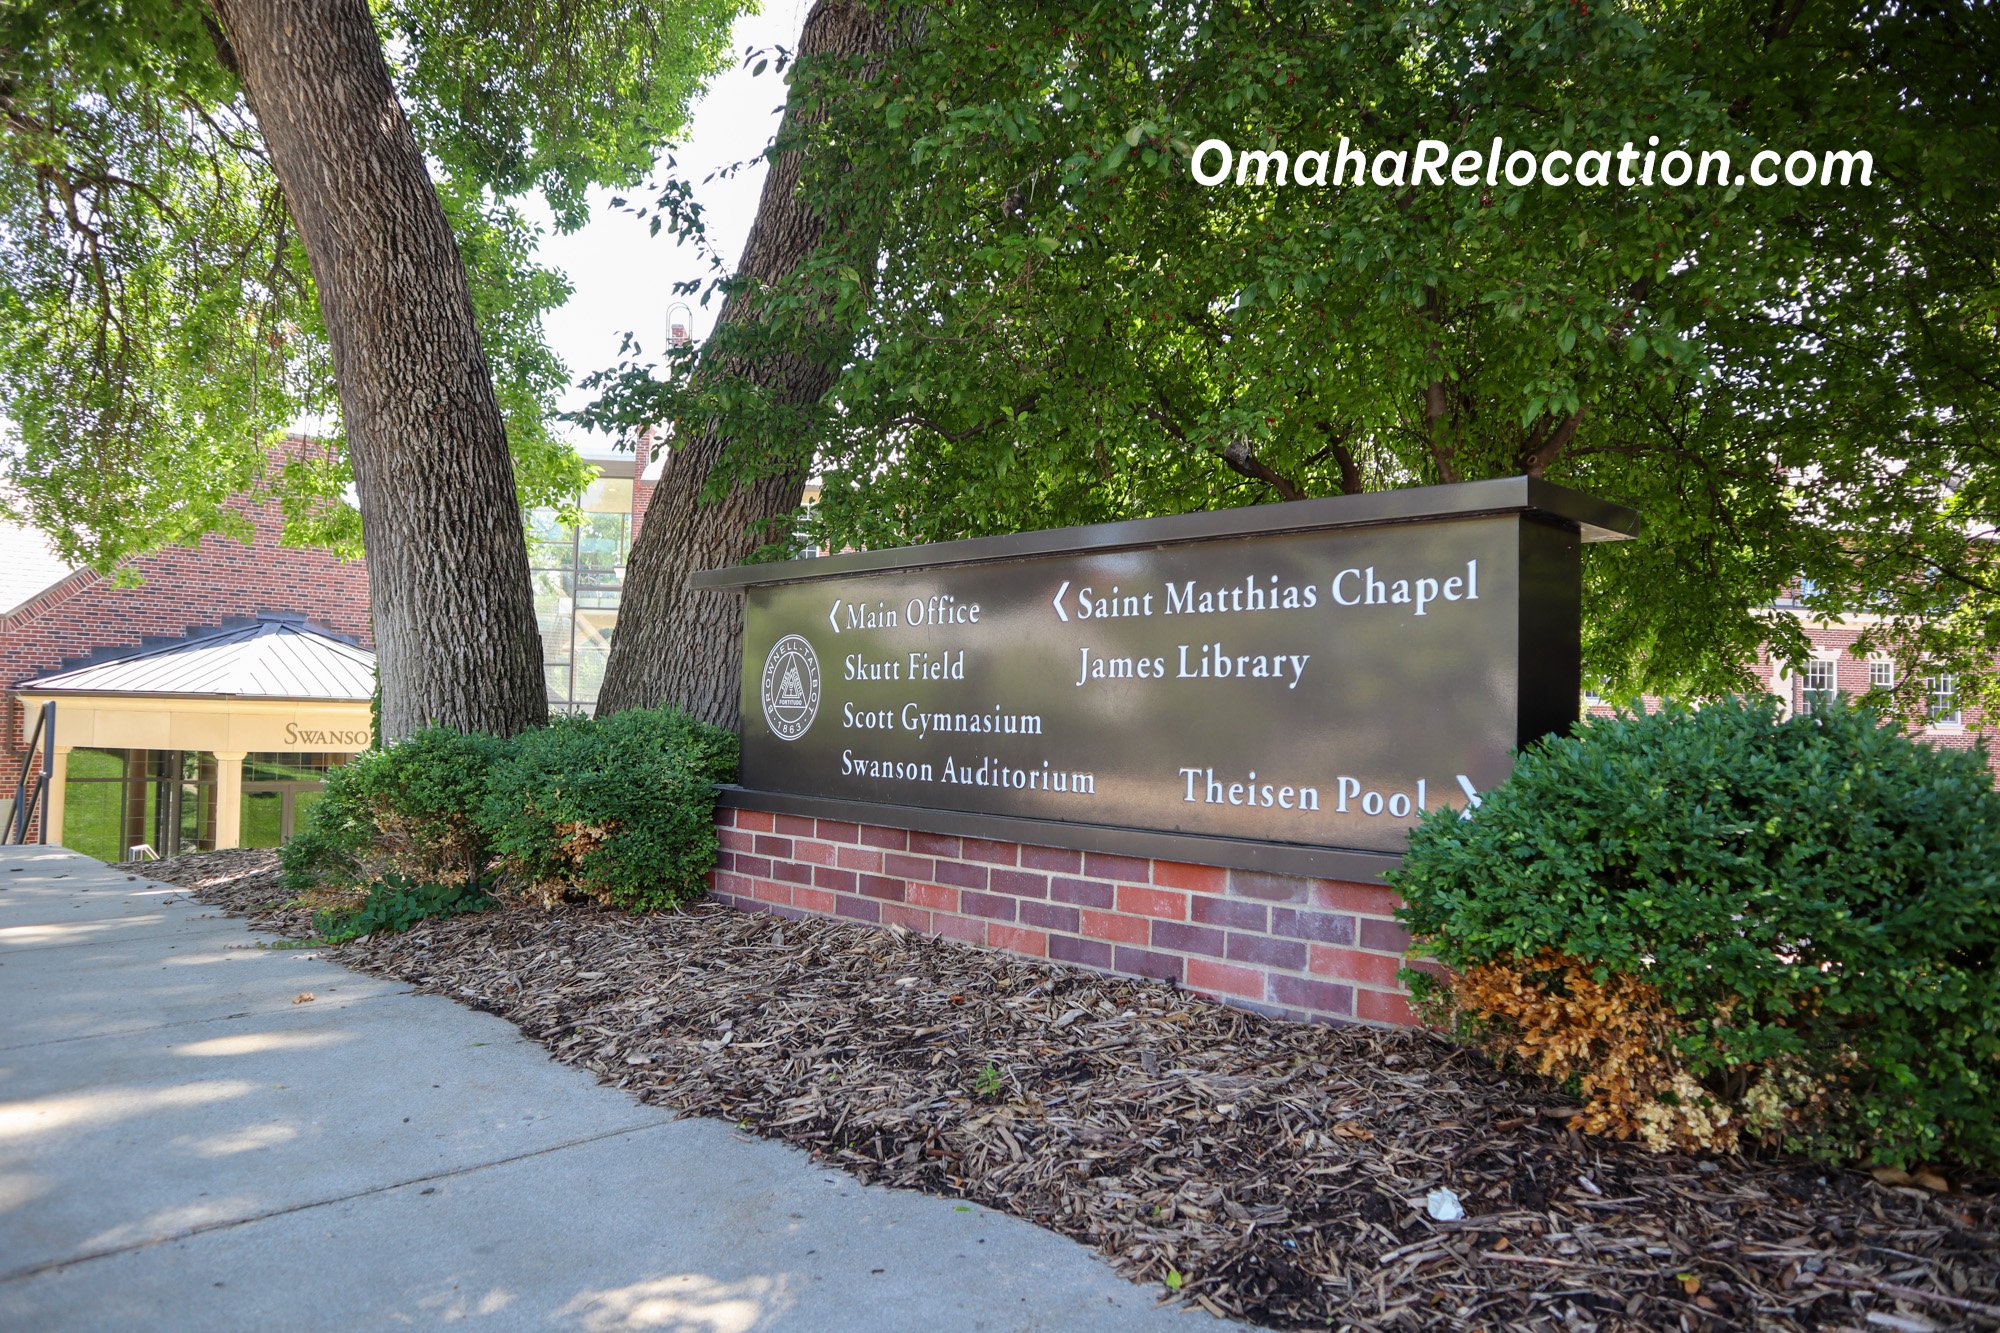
x=1594 y=519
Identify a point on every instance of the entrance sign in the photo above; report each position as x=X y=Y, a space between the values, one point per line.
x=1284 y=687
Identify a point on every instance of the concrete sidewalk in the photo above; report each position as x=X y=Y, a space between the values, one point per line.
x=184 y=1146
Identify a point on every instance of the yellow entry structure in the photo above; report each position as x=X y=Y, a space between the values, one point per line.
x=216 y=740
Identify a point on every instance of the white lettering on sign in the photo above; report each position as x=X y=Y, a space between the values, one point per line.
x=893 y=769
x=941 y=609
x=1362 y=587
x=993 y=772
x=989 y=772
x=1212 y=661
x=879 y=616
x=1204 y=786
x=1094 y=667
x=859 y=666
x=1091 y=605
x=1189 y=599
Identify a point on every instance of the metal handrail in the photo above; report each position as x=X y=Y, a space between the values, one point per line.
x=27 y=800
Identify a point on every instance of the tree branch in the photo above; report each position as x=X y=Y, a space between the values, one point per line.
x=1336 y=445
x=1535 y=459
x=1237 y=454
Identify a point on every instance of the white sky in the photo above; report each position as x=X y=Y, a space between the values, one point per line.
x=623 y=277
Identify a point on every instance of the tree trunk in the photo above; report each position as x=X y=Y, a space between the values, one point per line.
x=686 y=648
x=447 y=560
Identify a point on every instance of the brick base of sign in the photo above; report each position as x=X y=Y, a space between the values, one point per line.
x=1315 y=949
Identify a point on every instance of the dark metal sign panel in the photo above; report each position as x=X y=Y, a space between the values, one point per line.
x=1317 y=687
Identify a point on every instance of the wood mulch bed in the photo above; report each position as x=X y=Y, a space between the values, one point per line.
x=1267 y=1170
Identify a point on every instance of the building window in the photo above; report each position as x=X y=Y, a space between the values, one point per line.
x=1881 y=673
x=116 y=800
x=1943 y=694
x=278 y=789
x=1820 y=686
x=578 y=574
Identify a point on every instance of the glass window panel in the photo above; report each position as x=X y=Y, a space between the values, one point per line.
x=263 y=818
x=283 y=766
x=94 y=816
x=552 y=555
x=96 y=765
x=578 y=581
x=589 y=675
x=1882 y=675
x=302 y=802
x=196 y=828
x=553 y=602
x=1943 y=691
x=141 y=805
x=608 y=495
x=593 y=630
x=187 y=837
x=602 y=542
x=267 y=768
x=546 y=525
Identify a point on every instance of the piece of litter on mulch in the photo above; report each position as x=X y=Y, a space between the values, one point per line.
x=1443 y=1206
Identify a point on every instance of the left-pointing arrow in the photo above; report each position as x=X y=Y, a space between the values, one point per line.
x=833 y=616
x=1060 y=613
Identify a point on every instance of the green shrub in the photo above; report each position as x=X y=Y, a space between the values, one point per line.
x=397 y=903
x=1728 y=928
x=620 y=809
x=411 y=809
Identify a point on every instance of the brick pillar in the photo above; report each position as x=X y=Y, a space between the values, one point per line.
x=642 y=490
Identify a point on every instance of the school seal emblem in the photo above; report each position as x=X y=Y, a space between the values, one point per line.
x=791 y=687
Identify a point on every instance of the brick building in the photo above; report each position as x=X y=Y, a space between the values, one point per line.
x=78 y=616
x=56 y=621
x=1837 y=668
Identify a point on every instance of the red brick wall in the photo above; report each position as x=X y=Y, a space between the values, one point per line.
x=1297 y=948
x=1851 y=679
x=642 y=490
x=181 y=589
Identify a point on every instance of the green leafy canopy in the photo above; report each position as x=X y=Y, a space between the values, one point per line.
x=158 y=320
x=1061 y=326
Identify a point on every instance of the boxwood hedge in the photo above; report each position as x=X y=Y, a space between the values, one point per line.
x=1727 y=927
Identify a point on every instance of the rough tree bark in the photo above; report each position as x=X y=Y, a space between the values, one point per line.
x=686 y=648
x=447 y=563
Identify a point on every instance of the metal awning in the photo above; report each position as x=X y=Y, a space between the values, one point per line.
x=272 y=657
